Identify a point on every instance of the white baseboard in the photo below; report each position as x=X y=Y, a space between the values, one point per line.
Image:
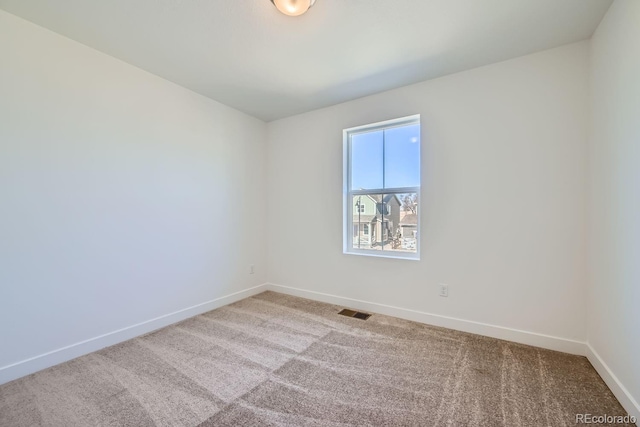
x=500 y=332
x=42 y=361
x=619 y=390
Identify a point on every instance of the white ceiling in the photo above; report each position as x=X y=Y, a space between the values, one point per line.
x=245 y=54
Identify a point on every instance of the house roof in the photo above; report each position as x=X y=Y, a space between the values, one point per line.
x=388 y=197
x=363 y=218
x=409 y=219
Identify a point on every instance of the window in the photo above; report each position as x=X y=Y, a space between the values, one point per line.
x=382 y=187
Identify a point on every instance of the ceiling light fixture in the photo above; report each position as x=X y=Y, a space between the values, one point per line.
x=293 y=7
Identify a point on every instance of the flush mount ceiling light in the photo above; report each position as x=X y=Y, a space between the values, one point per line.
x=293 y=7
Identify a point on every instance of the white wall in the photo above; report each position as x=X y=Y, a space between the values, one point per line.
x=503 y=197
x=123 y=197
x=614 y=291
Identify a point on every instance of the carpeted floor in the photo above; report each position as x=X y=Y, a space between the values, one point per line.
x=277 y=360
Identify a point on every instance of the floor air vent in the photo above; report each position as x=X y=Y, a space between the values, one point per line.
x=356 y=314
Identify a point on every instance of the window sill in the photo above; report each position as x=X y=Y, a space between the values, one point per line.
x=411 y=257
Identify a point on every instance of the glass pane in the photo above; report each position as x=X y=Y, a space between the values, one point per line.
x=402 y=157
x=367 y=221
x=402 y=222
x=389 y=211
x=366 y=160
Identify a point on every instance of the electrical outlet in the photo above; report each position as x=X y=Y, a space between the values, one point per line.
x=252 y=269
x=443 y=290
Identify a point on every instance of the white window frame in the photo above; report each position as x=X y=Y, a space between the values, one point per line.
x=348 y=210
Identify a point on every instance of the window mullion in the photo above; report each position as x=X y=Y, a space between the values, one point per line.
x=401 y=190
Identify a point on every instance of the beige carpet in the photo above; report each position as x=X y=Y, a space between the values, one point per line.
x=276 y=360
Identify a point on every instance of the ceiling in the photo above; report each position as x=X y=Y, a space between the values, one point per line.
x=247 y=55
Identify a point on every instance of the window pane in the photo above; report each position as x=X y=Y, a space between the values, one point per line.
x=367 y=221
x=366 y=160
x=402 y=157
x=389 y=210
x=403 y=223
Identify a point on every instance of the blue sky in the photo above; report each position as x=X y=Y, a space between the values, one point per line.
x=402 y=158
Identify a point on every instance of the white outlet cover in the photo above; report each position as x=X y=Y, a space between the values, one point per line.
x=444 y=290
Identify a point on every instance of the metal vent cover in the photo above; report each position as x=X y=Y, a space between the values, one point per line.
x=356 y=314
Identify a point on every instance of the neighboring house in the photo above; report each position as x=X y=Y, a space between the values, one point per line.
x=408 y=230
x=375 y=222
